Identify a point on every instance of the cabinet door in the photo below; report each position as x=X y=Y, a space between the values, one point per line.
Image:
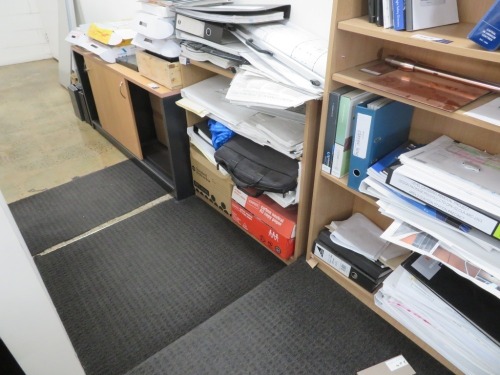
x=112 y=99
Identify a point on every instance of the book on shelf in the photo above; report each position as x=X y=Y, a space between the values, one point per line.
x=331 y=126
x=379 y=13
x=372 y=12
x=388 y=17
x=486 y=33
x=374 y=137
x=343 y=132
x=399 y=14
x=426 y=14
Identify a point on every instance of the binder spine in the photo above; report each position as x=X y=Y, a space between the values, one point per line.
x=345 y=268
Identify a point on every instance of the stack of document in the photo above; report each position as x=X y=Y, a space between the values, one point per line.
x=281 y=65
x=201 y=52
x=438 y=324
x=155 y=27
x=110 y=41
x=429 y=210
x=274 y=130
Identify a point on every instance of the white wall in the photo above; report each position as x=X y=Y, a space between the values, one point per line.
x=22 y=34
x=104 y=11
x=29 y=324
x=50 y=22
x=313 y=15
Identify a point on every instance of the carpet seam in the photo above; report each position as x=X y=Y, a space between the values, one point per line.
x=105 y=225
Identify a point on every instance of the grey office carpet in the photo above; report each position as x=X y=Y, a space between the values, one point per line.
x=128 y=291
x=297 y=322
x=66 y=211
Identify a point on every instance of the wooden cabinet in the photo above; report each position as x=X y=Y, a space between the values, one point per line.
x=354 y=43
x=196 y=72
x=112 y=99
x=139 y=117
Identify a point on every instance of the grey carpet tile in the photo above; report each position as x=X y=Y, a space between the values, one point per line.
x=128 y=291
x=66 y=211
x=297 y=322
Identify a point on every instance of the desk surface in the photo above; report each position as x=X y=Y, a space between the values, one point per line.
x=131 y=75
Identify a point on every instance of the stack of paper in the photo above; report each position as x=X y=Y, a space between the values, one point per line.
x=425 y=314
x=281 y=66
x=109 y=41
x=444 y=228
x=280 y=133
x=154 y=25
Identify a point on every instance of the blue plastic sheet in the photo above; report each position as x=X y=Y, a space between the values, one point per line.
x=220 y=133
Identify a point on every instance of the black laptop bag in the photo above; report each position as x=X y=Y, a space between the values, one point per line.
x=257 y=167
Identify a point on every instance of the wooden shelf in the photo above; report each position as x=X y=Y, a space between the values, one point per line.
x=213 y=68
x=355 y=77
x=456 y=33
x=343 y=183
x=355 y=43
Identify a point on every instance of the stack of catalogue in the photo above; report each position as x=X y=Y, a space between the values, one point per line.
x=444 y=198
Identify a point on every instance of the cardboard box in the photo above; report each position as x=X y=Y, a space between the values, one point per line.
x=282 y=220
x=164 y=72
x=267 y=235
x=209 y=184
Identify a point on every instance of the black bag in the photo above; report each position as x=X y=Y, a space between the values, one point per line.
x=254 y=166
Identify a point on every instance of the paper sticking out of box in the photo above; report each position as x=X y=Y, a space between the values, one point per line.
x=109 y=35
x=264 y=233
x=283 y=220
x=273 y=225
x=394 y=366
x=108 y=53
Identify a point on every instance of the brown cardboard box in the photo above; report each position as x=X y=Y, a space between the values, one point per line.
x=164 y=72
x=210 y=184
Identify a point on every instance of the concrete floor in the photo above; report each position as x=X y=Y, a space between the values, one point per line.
x=42 y=143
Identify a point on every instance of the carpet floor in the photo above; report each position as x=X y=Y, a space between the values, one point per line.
x=297 y=322
x=131 y=289
x=64 y=212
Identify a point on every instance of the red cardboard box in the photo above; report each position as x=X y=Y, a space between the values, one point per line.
x=281 y=245
x=282 y=220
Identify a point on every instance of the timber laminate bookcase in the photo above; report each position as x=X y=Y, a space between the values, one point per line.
x=354 y=43
x=197 y=71
x=139 y=117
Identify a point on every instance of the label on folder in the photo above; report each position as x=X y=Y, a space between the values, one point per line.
x=325 y=255
x=362 y=135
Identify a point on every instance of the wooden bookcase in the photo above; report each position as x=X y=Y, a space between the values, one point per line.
x=198 y=71
x=355 y=42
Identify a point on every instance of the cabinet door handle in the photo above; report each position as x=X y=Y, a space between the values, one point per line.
x=120 y=88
